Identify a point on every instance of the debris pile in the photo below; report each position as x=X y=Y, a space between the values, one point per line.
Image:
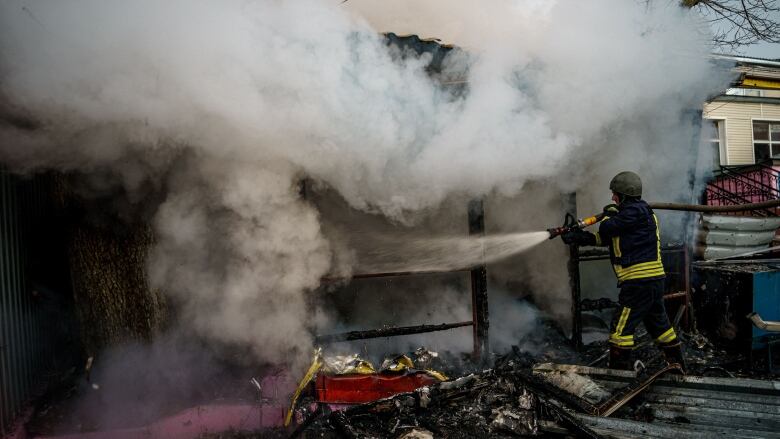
x=503 y=402
x=517 y=399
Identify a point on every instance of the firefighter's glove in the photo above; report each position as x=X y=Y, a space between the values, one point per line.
x=579 y=237
x=611 y=210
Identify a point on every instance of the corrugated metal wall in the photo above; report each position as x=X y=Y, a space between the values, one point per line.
x=26 y=330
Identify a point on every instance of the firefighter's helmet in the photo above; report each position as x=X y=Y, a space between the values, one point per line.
x=626 y=183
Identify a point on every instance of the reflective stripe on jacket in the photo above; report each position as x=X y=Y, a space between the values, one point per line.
x=633 y=237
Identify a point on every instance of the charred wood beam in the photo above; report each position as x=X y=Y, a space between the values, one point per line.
x=598 y=304
x=479 y=294
x=328 y=279
x=573 y=266
x=387 y=332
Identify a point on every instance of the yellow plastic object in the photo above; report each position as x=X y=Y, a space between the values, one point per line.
x=589 y=221
x=398 y=364
x=310 y=374
x=345 y=365
x=363 y=367
x=436 y=374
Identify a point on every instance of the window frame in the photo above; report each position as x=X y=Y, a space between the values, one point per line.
x=770 y=142
x=723 y=152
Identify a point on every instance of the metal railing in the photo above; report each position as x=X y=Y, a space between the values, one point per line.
x=744 y=184
x=30 y=313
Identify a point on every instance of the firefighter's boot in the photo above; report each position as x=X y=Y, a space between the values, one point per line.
x=673 y=354
x=620 y=358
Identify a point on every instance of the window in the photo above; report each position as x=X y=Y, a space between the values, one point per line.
x=713 y=132
x=766 y=140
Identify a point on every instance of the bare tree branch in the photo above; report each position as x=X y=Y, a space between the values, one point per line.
x=739 y=23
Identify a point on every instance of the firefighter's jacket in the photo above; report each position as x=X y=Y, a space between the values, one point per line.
x=634 y=242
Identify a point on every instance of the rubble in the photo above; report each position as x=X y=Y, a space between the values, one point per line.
x=522 y=397
x=518 y=418
x=417 y=433
x=516 y=400
x=493 y=403
x=578 y=385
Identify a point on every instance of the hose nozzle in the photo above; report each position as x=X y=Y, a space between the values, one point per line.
x=570 y=224
x=558 y=231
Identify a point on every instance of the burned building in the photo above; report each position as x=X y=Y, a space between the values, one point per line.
x=272 y=213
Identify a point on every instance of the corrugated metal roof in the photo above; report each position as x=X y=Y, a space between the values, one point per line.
x=759 y=71
x=689 y=406
x=749 y=60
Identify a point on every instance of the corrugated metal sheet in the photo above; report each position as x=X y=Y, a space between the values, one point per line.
x=724 y=236
x=759 y=71
x=690 y=407
x=25 y=342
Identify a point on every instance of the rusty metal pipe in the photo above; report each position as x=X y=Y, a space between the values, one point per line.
x=715 y=209
x=763 y=324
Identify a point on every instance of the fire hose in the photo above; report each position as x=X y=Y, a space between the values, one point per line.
x=571 y=223
x=715 y=209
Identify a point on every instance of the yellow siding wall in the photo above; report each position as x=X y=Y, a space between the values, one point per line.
x=739 y=126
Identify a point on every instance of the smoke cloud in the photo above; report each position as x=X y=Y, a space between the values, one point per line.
x=228 y=104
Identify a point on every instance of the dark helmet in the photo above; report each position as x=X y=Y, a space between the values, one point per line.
x=626 y=183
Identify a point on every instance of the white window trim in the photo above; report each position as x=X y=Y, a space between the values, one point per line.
x=723 y=152
x=752 y=137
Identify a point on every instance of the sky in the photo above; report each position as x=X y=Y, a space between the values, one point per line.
x=764 y=50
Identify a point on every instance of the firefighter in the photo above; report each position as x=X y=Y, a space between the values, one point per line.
x=630 y=230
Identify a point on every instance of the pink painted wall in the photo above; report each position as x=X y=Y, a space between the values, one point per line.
x=267 y=413
x=752 y=193
x=193 y=422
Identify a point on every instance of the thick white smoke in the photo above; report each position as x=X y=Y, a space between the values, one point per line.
x=231 y=102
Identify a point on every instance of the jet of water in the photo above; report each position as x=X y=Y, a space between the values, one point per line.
x=444 y=253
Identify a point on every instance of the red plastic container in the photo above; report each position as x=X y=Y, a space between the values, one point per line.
x=357 y=389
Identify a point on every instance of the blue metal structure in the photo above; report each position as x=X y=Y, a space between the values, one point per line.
x=766 y=302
